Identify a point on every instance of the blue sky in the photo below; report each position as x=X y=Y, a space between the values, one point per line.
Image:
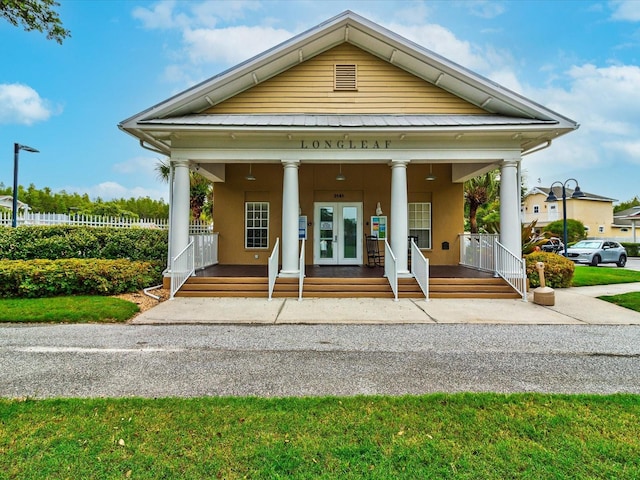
x=579 y=58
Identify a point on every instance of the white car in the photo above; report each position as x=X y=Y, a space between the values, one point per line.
x=593 y=252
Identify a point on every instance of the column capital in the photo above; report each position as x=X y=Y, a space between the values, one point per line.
x=510 y=162
x=180 y=163
x=399 y=163
x=290 y=163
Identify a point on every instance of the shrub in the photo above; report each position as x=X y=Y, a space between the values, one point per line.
x=558 y=270
x=67 y=241
x=633 y=249
x=47 y=278
x=575 y=230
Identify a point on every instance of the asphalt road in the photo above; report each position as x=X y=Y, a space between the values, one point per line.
x=303 y=360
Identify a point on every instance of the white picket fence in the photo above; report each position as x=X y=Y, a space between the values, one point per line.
x=195 y=228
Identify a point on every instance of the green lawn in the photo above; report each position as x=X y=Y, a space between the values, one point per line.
x=461 y=436
x=627 y=300
x=588 y=276
x=74 y=309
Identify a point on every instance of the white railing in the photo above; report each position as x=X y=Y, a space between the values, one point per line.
x=420 y=269
x=301 y=274
x=205 y=250
x=391 y=269
x=196 y=227
x=477 y=251
x=181 y=268
x=273 y=267
x=512 y=268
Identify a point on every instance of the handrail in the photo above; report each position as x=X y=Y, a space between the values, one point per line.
x=391 y=269
x=512 y=268
x=205 y=249
x=302 y=273
x=477 y=251
x=420 y=269
x=182 y=267
x=273 y=266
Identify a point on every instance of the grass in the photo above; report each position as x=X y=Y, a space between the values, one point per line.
x=488 y=436
x=627 y=300
x=587 y=276
x=74 y=309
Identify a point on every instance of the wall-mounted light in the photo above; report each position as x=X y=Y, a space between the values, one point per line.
x=250 y=177
x=340 y=177
x=431 y=176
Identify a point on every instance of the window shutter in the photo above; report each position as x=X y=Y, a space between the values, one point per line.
x=345 y=77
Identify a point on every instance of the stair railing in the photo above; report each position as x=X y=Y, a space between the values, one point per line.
x=302 y=273
x=273 y=267
x=512 y=268
x=391 y=269
x=420 y=269
x=182 y=267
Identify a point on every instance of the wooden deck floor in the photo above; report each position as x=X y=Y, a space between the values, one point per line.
x=331 y=271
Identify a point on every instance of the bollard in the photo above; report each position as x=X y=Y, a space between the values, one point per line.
x=543 y=295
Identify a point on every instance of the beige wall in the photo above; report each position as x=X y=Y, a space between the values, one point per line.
x=309 y=88
x=368 y=184
x=591 y=213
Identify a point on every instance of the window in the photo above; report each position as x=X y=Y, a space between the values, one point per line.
x=536 y=209
x=256 y=220
x=420 y=223
x=601 y=229
x=345 y=77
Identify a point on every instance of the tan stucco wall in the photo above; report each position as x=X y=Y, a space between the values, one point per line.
x=368 y=184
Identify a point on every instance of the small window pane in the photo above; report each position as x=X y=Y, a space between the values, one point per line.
x=257 y=225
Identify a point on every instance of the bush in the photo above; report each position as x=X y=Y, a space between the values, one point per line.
x=66 y=241
x=558 y=270
x=575 y=230
x=47 y=278
x=633 y=249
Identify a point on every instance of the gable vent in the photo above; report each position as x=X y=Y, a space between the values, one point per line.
x=345 y=77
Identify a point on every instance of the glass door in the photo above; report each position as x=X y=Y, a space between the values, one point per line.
x=337 y=234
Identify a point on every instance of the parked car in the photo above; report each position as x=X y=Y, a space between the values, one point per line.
x=553 y=245
x=593 y=252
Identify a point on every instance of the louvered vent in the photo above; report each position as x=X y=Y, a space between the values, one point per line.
x=345 y=77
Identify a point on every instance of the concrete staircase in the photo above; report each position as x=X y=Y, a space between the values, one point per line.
x=324 y=287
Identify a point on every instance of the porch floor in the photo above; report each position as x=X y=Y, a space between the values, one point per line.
x=333 y=271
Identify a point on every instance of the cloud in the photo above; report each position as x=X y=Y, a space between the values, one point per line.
x=625 y=10
x=485 y=9
x=21 y=104
x=140 y=166
x=114 y=190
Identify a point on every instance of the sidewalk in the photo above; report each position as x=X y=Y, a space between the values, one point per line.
x=577 y=305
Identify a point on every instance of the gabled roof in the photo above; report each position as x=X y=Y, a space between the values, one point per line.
x=625 y=217
x=370 y=37
x=558 y=193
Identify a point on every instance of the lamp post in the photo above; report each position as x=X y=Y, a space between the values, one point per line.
x=577 y=193
x=16 y=153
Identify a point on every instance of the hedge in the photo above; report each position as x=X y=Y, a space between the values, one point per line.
x=633 y=249
x=558 y=270
x=67 y=241
x=47 y=278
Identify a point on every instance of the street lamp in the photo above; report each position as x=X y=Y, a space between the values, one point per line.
x=577 y=193
x=16 y=153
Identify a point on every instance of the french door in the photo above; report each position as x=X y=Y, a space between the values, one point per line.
x=337 y=234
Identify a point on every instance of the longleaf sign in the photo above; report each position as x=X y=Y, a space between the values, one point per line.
x=345 y=144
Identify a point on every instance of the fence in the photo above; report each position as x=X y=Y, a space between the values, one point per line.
x=196 y=227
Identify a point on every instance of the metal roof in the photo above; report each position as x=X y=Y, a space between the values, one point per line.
x=339 y=120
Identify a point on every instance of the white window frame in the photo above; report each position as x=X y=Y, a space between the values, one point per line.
x=601 y=229
x=536 y=209
x=256 y=218
x=420 y=220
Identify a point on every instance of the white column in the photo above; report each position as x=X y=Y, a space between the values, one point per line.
x=510 y=227
x=399 y=215
x=290 y=211
x=180 y=211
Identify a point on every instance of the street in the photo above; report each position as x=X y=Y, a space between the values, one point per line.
x=302 y=360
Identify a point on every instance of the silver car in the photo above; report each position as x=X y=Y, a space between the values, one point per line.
x=593 y=252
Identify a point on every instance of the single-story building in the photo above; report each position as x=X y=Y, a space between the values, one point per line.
x=343 y=131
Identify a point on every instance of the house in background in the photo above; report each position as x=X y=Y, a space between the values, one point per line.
x=6 y=201
x=345 y=130
x=626 y=221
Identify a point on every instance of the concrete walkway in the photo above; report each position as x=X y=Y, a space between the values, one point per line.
x=577 y=305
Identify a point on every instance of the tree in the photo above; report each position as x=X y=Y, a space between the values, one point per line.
x=35 y=15
x=634 y=202
x=575 y=229
x=477 y=192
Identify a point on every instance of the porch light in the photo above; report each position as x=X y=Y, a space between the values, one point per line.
x=431 y=177
x=340 y=177
x=577 y=193
x=16 y=153
x=250 y=177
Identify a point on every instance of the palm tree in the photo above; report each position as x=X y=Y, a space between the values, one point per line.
x=200 y=188
x=477 y=192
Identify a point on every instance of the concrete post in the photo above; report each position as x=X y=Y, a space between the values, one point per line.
x=399 y=215
x=290 y=212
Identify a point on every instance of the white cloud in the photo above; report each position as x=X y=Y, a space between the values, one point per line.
x=141 y=166
x=626 y=10
x=221 y=45
x=485 y=8
x=160 y=16
x=22 y=105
